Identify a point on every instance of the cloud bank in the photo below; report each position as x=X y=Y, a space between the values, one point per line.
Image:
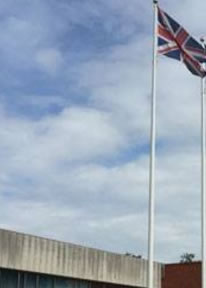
x=74 y=126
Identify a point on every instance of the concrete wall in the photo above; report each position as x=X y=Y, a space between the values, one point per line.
x=29 y=253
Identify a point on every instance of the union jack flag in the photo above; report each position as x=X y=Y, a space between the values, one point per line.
x=175 y=42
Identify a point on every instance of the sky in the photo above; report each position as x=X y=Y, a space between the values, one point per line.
x=75 y=91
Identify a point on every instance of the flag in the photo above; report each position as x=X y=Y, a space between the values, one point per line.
x=175 y=42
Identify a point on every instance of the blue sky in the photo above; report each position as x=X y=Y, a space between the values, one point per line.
x=74 y=125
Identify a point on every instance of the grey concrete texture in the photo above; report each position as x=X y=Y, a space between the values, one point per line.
x=40 y=255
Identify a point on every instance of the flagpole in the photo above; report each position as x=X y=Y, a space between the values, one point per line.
x=150 y=272
x=203 y=180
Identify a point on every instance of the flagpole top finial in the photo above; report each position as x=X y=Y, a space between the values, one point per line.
x=203 y=39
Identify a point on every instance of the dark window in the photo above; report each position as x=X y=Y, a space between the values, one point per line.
x=45 y=282
x=61 y=283
x=30 y=280
x=9 y=279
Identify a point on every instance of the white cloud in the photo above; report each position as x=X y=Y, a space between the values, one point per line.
x=75 y=134
x=49 y=60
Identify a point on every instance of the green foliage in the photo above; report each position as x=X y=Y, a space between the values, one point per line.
x=187 y=258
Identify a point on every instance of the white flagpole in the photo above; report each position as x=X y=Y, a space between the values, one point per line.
x=203 y=180
x=150 y=272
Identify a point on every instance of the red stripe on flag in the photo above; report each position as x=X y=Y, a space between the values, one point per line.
x=167 y=50
x=181 y=36
x=164 y=33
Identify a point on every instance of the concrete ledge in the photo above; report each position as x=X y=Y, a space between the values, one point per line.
x=35 y=254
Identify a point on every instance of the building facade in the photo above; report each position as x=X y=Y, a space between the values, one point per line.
x=33 y=262
x=182 y=275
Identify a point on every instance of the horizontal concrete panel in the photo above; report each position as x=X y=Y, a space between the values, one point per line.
x=35 y=254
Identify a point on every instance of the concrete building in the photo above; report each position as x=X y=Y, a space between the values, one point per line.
x=34 y=262
x=182 y=275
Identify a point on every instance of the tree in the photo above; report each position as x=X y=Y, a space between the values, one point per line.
x=133 y=255
x=187 y=258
